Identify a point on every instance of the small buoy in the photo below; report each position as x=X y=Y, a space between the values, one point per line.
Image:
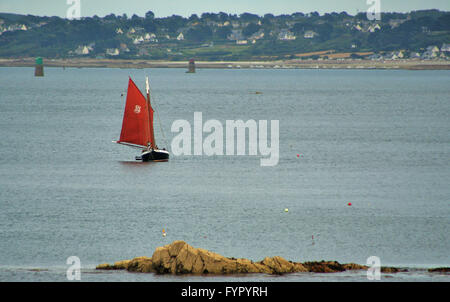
x=298 y=155
x=286 y=210
x=164 y=233
x=349 y=204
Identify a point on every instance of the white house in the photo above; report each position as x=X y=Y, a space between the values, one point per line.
x=373 y=28
x=15 y=27
x=82 y=50
x=433 y=48
x=119 y=31
x=112 y=52
x=358 y=27
x=286 y=35
x=445 y=47
x=399 y=54
x=241 y=42
x=430 y=53
x=149 y=36
x=138 y=40
x=309 y=34
x=180 y=37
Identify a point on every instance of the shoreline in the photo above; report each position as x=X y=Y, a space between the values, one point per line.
x=286 y=64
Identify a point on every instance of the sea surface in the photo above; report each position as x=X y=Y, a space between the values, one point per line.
x=378 y=139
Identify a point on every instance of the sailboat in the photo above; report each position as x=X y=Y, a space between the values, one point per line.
x=137 y=126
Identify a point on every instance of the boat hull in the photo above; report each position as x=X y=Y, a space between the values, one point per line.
x=154 y=155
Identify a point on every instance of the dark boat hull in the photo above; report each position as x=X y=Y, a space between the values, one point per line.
x=154 y=155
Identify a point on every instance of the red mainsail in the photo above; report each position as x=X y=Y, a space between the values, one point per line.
x=137 y=126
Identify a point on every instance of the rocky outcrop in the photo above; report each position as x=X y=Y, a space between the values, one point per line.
x=389 y=269
x=332 y=266
x=439 y=270
x=138 y=264
x=181 y=258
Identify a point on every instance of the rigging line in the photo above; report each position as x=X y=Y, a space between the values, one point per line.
x=159 y=120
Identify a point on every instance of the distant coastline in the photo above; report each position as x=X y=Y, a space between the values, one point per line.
x=407 y=64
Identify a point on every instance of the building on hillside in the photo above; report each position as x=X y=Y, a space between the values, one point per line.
x=257 y=35
x=309 y=34
x=358 y=27
x=112 y=52
x=150 y=37
x=414 y=55
x=433 y=48
x=373 y=28
x=138 y=40
x=82 y=50
x=286 y=35
x=394 y=55
x=431 y=53
x=445 y=47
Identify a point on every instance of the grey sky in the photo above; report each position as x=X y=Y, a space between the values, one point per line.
x=163 y=8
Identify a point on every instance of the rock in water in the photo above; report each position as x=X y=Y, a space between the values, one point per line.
x=181 y=258
x=439 y=270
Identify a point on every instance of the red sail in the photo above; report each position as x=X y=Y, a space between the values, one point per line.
x=135 y=126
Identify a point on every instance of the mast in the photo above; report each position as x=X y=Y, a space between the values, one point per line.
x=150 y=115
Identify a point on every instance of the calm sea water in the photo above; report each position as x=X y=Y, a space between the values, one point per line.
x=378 y=139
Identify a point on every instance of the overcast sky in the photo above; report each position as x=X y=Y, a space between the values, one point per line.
x=163 y=8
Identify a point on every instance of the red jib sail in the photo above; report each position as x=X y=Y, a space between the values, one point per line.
x=137 y=126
